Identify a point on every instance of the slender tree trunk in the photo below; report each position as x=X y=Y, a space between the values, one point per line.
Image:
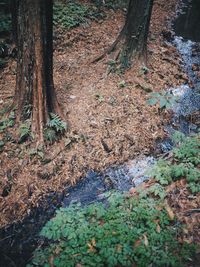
x=132 y=40
x=34 y=82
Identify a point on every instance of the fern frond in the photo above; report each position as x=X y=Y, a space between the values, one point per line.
x=24 y=130
x=56 y=123
x=50 y=135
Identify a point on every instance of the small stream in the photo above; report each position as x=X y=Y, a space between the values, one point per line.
x=18 y=241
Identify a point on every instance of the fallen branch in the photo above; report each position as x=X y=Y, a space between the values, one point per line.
x=188 y=212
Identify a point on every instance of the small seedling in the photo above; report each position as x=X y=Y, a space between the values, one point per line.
x=165 y=99
x=122 y=84
x=112 y=65
x=99 y=97
x=112 y=101
x=144 y=70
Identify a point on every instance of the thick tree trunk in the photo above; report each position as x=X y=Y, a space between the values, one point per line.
x=132 y=40
x=34 y=82
x=136 y=30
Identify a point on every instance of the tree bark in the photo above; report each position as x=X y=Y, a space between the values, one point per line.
x=34 y=80
x=132 y=40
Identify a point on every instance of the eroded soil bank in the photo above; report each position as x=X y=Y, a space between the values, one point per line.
x=108 y=126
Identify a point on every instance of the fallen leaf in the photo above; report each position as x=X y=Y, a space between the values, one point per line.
x=51 y=259
x=146 y=242
x=137 y=243
x=169 y=211
x=158 y=228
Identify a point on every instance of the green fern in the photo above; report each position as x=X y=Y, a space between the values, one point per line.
x=24 y=130
x=6 y=122
x=50 y=135
x=56 y=123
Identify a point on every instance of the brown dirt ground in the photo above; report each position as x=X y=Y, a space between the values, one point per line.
x=113 y=130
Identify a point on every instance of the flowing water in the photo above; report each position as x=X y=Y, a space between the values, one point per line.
x=19 y=240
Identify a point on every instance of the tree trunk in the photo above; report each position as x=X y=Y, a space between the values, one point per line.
x=34 y=94
x=132 y=40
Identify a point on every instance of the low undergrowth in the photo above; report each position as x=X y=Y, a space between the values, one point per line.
x=73 y=13
x=139 y=230
x=55 y=128
x=129 y=231
x=70 y=14
x=183 y=164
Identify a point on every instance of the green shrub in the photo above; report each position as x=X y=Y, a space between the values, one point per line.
x=129 y=232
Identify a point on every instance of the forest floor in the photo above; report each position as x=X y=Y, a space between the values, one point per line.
x=109 y=119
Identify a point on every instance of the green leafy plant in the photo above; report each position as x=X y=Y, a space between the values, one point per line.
x=7 y=121
x=128 y=232
x=99 y=97
x=50 y=135
x=39 y=151
x=27 y=111
x=55 y=128
x=24 y=130
x=113 y=101
x=178 y=137
x=156 y=190
x=185 y=164
x=56 y=123
x=122 y=84
x=165 y=99
x=144 y=70
x=112 y=66
x=73 y=14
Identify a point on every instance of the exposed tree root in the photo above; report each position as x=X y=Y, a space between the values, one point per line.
x=117 y=43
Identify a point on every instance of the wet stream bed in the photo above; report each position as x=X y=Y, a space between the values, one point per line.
x=18 y=241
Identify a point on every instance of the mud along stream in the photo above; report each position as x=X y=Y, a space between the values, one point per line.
x=18 y=241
